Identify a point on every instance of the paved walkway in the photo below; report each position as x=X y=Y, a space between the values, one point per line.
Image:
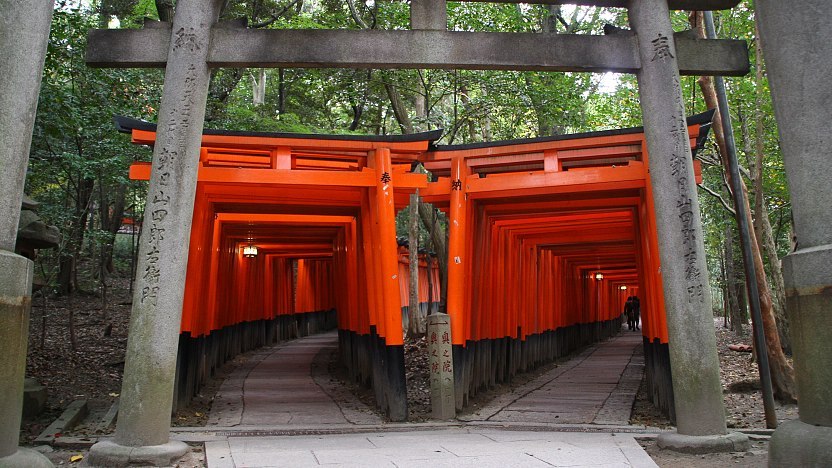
x=598 y=386
x=285 y=386
x=455 y=447
x=279 y=409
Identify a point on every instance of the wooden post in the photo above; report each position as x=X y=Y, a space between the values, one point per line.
x=388 y=282
x=456 y=251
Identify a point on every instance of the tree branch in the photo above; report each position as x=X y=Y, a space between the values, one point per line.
x=275 y=16
x=718 y=197
x=356 y=17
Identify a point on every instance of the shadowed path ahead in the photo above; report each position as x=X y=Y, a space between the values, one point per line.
x=277 y=387
x=597 y=386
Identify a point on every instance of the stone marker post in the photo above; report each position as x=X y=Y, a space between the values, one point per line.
x=797 y=45
x=700 y=413
x=143 y=427
x=24 y=33
x=441 y=367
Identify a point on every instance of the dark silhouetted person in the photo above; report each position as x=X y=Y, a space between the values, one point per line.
x=636 y=312
x=628 y=312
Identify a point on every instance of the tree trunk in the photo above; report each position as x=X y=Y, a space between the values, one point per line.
x=466 y=105
x=420 y=103
x=762 y=223
x=399 y=110
x=550 y=20
x=165 y=10
x=438 y=239
x=734 y=311
x=724 y=288
x=486 y=118
x=414 y=316
x=110 y=214
x=67 y=275
x=431 y=299
x=782 y=373
x=427 y=213
x=110 y=219
x=66 y=266
x=117 y=214
x=281 y=92
x=258 y=87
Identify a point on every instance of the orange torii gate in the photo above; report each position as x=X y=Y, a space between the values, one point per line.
x=296 y=233
x=310 y=209
x=548 y=237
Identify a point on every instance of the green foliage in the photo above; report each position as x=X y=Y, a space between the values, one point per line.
x=78 y=161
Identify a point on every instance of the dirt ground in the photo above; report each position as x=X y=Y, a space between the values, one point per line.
x=92 y=368
x=743 y=406
x=88 y=367
x=740 y=388
x=755 y=457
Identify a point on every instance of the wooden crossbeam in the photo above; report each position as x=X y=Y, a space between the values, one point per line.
x=236 y=47
x=224 y=175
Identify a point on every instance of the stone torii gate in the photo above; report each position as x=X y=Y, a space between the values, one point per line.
x=195 y=42
x=24 y=32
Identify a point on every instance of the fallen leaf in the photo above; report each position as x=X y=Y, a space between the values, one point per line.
x=76 y=458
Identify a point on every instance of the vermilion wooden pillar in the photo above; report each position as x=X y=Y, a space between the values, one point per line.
x=388 y=283
x=457 y=261
x=386 y=239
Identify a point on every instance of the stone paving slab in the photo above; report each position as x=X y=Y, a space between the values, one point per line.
x=276 y=387
x=280 y=389
x=598 y=385
x=476 y=447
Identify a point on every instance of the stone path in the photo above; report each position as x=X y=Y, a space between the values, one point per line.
x=279 y=409
x=278 y=387
x=598 y=386
x=454 y=447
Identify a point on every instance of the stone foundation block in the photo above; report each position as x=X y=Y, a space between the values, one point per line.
x=730 y=442
x=796 y=443
x=26 y=458
x=110 y=454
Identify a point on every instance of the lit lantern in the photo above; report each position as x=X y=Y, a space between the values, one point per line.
x=623 y=287
x=250 y=251
x=599 y=276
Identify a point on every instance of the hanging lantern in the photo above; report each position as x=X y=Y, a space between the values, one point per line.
x=623 y=287
x=599 y=276
x=250 y=251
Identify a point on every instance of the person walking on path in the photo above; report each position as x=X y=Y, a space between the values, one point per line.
x=636 y=312
x=628 y=312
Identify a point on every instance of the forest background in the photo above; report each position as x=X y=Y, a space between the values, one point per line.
x=79 y=162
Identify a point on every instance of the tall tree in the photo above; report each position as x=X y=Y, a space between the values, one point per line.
x=78 y=161
x=782 y=373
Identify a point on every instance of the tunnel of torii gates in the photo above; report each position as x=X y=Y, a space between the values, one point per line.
x=294 y=234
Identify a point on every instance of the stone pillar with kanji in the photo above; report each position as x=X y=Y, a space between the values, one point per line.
x=441 y=367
